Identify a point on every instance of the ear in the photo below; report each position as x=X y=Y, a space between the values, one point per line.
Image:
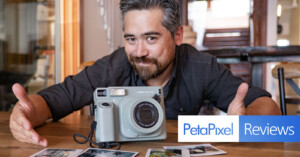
x=178 y=36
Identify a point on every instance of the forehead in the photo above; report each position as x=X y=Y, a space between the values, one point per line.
x=143 y=20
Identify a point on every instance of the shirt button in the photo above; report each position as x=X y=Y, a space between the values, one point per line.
x=181 y=109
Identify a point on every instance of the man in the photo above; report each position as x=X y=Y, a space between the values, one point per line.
x=153 y=56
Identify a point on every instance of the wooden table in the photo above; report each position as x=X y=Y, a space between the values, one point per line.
x=59 y=135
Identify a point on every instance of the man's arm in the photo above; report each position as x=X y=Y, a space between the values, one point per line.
x=260 y=106
x=263 y=106
x=29 y=112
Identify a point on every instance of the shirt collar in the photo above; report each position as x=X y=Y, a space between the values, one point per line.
x=174 y=71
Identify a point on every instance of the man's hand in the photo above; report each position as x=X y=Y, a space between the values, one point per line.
x=237 y=106
x=24 y=118
x=260 y=106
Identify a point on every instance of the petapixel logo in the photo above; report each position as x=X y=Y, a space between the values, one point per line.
x=239 y=129
x=208 y=128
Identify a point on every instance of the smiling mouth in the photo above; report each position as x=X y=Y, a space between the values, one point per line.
x=143 y=63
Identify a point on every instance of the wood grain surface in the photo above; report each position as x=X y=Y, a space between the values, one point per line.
x=60 y=135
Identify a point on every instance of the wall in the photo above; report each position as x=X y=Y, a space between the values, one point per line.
x=227 y=22
x=228 y=14
x=290 y=22
x=93 y=34
x=221 y=14
x=294 y=26
x=272 y=23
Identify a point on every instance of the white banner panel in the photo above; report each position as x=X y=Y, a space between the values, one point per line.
x=208 y=128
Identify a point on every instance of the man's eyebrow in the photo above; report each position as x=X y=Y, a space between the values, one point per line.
x=151 y=33
x=128 y=35
x=144 y=34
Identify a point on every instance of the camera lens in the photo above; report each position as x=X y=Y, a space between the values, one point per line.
x=145 y=114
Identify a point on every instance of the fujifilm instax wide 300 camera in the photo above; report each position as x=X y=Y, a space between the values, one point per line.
x=129 y=114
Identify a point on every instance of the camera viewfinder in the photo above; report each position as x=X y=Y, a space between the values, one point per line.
x=102 y=93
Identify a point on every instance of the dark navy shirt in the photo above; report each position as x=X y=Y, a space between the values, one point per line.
x=196 y=77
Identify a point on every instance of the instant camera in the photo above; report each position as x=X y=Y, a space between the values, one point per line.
x=129 y=114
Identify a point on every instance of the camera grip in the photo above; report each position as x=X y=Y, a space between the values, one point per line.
x=106 y=127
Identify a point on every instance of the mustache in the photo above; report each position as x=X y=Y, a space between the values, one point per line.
x=142 y=59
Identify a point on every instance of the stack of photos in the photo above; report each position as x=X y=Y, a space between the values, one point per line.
x=199 y=150
x=167 y=151
x=90 y=152
x=57 y=152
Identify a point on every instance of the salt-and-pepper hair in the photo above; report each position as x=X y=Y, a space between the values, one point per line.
x=170 y=8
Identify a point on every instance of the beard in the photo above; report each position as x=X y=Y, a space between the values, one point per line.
x=153 y=70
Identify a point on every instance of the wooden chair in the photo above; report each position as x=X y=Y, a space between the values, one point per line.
x=230 y=38
x=287 y=72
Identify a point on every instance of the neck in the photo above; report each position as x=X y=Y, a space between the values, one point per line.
x=162 y=79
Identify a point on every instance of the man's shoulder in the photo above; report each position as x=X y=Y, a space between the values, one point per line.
x=189 y=53
x=116 y=59
x=111 y=70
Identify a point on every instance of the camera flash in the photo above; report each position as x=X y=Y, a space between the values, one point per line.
x=117 y=92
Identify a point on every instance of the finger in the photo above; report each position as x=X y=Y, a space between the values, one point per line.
x=18 y=118
x=237 y=107
x=29 y=136
x=19 y=127
x=24 y=122
x=22 y=96
x=43 y=142
x=20 y=133
x=241 y=93
x=20 y=137
x=17 y=130
x=33 y=136
x=36 y=138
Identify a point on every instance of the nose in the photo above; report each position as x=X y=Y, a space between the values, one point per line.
x=141 y=49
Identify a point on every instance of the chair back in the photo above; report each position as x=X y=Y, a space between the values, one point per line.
x=281 y=90
x=230 y=37
x=227 y=38
x=287 y=72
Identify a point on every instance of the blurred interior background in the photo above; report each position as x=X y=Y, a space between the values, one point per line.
x=42 y=41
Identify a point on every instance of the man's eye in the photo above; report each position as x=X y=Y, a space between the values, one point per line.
x=130 y=39
x=150 y=38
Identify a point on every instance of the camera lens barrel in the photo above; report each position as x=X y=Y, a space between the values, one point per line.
x=145 y=114
x=140 y=117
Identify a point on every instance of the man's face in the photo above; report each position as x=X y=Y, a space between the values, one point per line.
x=149 y=46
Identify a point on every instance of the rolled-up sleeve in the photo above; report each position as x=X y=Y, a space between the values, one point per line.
x=75 y=91
x=222 y=86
